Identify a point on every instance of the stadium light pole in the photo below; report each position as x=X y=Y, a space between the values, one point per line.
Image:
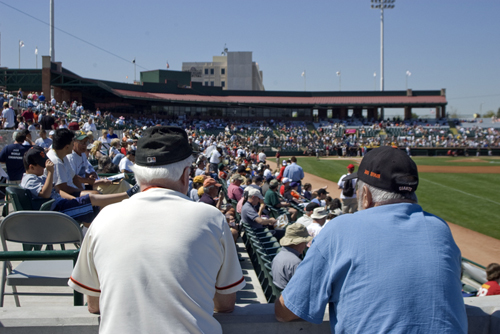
x=382 y=4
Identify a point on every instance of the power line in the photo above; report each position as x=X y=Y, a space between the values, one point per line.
x=69 y=34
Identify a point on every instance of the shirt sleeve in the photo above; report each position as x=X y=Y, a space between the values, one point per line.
x=230 y=277
x=309 y=290
x=84 y=278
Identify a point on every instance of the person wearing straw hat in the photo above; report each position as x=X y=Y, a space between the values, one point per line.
x=286 y=262
x=365 y=261
x=319 y=218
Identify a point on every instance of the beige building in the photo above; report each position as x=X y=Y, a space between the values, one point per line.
x=232 y=71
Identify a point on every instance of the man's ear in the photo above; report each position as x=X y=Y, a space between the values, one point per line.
x=367 y=198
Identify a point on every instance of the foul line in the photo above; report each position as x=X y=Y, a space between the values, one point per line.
x=460 y=191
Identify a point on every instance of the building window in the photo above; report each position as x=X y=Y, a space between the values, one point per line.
x=223 y=84
x=211 y=83
x=206 y=71
x=222 y=71
x=206 y=83
x=212 y=71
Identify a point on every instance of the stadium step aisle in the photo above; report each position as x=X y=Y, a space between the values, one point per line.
x=252 y=292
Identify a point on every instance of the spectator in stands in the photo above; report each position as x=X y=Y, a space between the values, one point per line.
x=28 y=114
x=320 y=197
x=211 y=190
x=105 y=166
x=343 y=265
x=282 y=170
x=89 y=126
x=95 y=151
x=114 y=151
x=197 y=183
x=288 y=259
x=256 y=183
x=272 y=200
x=306 y=219
x=8 y=117
x=319 y=218
x=43 y=141
x=306 y=191
x=200 y=168
x=222 y=171
x=73 y=125
x=35 y=161
x=262 y=157
x=127 y=162
x=200 y=279
x=491 y=287
x=284 y=183
x=47 y=122
x=251 y=216
x=234 y=190
x=65 y=177
x=104 y=137
x=215 y=159
x=12 y=156
x=41 y=98
x=111 y=135
x=294 y=172
x=348 y=194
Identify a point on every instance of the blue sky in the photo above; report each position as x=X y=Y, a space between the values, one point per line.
x=444 y=44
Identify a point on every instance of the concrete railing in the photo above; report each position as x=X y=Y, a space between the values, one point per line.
x=483 y=315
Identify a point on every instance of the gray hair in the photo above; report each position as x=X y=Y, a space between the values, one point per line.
x=172 y=172
x=381 y=196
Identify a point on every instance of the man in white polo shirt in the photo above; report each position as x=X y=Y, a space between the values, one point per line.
x=141 y=271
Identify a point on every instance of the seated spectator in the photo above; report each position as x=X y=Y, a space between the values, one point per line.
x=197 y=183
x=306 y=219
x=65 y=177
x=318 y=220
x=491 y=287
x=272 y=200
x=73 y=125
x=222 y=172
x=211 y=191
x=95 y=151
x=200 y=168
x=288 y=259
x=114 y=151
x=35 y=161
x=104 y=137
x=231 y=220
x=106 y=166
x=234 y=190
x=256 y=183
x=80 y=164
x=320 y=197
x=43 y=141
x=284 y=182
x=306 y=191
x=127 y=162
x=251 y=216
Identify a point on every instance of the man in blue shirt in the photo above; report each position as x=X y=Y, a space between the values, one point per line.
x=294 y=172
x=12 y=156
x=390 y=267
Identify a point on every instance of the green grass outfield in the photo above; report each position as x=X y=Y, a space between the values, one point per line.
x=468 y=200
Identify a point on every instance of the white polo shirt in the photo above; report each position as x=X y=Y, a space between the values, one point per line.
x=156 y=261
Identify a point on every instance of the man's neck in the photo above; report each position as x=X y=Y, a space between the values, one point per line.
x=60 y=154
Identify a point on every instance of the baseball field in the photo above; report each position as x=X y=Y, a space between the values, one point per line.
x=461 y=190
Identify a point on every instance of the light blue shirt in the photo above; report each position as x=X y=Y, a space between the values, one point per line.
x=294 y=172
x=392 y=268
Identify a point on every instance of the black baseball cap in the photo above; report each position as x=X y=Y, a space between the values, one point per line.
x=311 y=206
x=36 y=156
x=322 y=192
x=162 y=145
x=389 y=169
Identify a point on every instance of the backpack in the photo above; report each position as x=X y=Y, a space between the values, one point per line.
x=348 y=190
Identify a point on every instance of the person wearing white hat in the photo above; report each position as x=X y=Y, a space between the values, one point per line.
x=319 y=218
x=284 y=264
